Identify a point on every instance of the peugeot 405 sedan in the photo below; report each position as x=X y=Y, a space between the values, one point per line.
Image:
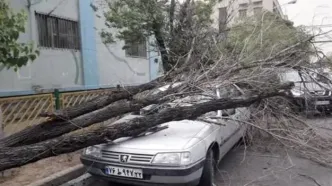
x=184 y=152
x=308 y=95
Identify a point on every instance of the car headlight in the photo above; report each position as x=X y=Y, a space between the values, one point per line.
x=297 y=92
x=175 y=159
x=93 y=151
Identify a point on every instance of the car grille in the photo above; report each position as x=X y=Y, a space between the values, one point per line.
x=133 y=158
x=321 y=93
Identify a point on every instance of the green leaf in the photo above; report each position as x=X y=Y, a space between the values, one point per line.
x=16 y=52
x=26 y=49
x=15 y=35
x=32 y=57
x=22 y=61
x=12 y=25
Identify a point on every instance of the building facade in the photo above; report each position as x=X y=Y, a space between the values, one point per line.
x=227 y=12
x=72 y=54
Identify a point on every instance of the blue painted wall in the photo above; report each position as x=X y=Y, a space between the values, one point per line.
x=88 y=44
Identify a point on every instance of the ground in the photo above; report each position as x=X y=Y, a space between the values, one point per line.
x=250 y=167
x=267 y=169
x=41 y=169
x=260 y=168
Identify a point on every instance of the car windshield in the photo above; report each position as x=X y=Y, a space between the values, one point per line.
x=294 y=76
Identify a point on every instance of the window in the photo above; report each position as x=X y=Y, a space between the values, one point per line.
x=56 y=32
x=136 y=50
x=258 y=10
x=244 y=5
x=258 y=3
x=243 y=13
x=222 y=19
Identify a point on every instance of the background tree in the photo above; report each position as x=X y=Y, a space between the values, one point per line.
x=260 y=36
x=172 y=24
x=13 y=54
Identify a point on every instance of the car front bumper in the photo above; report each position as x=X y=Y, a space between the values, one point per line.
x=315 y=103
x=152 y=176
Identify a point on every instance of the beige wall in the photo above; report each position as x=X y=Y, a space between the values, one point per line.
x=233 y=7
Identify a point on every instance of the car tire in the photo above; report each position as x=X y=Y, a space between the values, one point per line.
x=209 y=170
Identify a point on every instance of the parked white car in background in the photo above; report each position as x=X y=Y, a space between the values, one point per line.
x=185 y=153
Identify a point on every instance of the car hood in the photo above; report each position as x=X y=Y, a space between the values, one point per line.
x=177 y=136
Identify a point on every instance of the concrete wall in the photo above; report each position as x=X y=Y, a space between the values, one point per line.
x=95 y=65
x=54 y=68
x=117 y=68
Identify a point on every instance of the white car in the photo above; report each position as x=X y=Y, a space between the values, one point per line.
x=185 y=153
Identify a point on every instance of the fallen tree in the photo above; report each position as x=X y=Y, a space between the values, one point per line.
x=199 y=57
x=51 y=129
x=11 y=157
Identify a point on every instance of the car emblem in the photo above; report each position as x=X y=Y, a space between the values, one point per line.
x=124 y=158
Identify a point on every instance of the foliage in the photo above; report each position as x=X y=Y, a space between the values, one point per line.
x=171 y=23
x=258 y=37
x=325 y=61
x=13 y=54
x=180 y=28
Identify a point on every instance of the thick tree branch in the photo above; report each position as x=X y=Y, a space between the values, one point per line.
x=101 y=101
x=171 y=16
x=11 y=157
x=52 y=129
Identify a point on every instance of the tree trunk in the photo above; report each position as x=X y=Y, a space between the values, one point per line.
x=51 y=129
x=162 y=47
x=11 y=157
x=171 y=16
x=100 y=102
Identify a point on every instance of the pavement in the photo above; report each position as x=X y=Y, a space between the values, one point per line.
x=245 y=168
x=249 y=167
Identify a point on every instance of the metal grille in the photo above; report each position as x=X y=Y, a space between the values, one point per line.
x=74 y=98
x=136 y=49
x=21 y=112
x=56 y=32
x=243 y=13
x=133 y=158
x=321 y=93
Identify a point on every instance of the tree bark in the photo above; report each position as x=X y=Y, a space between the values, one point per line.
x=11 y=157
x=52 y=129
x=171 y=16
x=162 y=47
x=100 y=102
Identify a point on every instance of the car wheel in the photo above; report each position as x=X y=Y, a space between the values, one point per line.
x=209 y=169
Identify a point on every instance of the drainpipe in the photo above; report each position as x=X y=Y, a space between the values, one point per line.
x=30 y=17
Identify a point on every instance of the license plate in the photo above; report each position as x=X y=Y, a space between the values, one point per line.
x=124 y=172
x=322 y=102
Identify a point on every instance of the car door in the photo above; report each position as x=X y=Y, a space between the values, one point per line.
x=233 y=129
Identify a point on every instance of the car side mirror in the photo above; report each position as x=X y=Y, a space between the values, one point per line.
x=228 y=112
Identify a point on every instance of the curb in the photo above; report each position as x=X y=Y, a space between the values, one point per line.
x=86 y=180
x=61 y=177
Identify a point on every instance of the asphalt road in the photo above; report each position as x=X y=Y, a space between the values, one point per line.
x=256 y=168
